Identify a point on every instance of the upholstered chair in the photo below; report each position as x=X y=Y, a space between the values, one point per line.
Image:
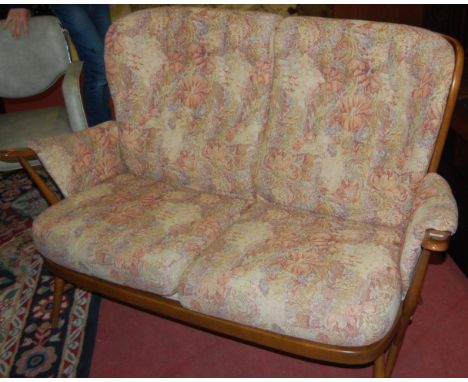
x=28 y=67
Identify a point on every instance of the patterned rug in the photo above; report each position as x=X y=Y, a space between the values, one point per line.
x=29 y=347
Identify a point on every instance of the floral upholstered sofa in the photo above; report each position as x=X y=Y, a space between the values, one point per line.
x=269 y=178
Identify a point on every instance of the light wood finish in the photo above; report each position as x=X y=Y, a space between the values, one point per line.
x=434 y=241
x=13 y=155
x=379 y=367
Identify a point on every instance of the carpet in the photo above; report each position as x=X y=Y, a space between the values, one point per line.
x=29 y=346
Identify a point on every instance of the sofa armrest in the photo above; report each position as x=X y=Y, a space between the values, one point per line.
x=72 y=95
x=436 y=241
x=77 y=161
x=434 y=219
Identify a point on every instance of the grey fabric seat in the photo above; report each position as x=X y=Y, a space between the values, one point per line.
x=17 y=129
x=28 y=67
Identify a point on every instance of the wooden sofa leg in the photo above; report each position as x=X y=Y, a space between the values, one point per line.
x=409 y=307
x=379 y=367
x=58 y=294
x=395 y=347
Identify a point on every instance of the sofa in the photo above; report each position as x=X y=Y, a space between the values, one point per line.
x=271 y=179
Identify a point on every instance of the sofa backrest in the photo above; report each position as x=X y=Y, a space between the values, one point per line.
x=191 y=90
x=356 y=108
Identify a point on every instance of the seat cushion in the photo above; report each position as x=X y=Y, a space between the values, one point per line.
x=191 y=89
x=133 y=231
x=300 y=274
x=19 y=128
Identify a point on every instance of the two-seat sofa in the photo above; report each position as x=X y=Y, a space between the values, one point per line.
x=269 y=178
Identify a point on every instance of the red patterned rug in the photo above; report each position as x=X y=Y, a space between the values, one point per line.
x=29 y=346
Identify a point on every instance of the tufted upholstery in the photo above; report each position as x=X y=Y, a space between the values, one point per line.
x=271 y=172
x=356 y=108
x=212 y=70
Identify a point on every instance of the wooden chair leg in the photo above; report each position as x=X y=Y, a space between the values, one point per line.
x=379 y=367
x=58 y=294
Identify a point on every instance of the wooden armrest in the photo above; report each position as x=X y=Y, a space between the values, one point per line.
x=436 y=241
x=13 y=155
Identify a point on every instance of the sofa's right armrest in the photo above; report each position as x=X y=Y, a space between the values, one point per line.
x=434 y=219
x=436 y=241
x=77 y=161
x=72 y=95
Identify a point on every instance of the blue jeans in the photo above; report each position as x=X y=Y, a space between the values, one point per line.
x=87 y=25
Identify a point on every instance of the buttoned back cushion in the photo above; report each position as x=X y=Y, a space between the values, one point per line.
x=191 y=89
x=356 y=109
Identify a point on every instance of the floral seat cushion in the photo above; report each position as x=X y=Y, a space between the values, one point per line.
x=300 y=274
x=133 y=231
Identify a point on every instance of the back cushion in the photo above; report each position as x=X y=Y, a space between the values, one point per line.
x=356 y=109
x=191 y=89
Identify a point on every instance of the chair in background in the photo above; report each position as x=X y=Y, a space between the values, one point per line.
x=28 y=67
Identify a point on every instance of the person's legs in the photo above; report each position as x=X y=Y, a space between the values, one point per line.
x=89 y=42
x=100 y=16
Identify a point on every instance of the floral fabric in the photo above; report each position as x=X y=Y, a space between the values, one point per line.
x=335 y=146
x=300 y=274
x=133 y=231
x=77 y=161
x=434 y=208
x=191 y=89
x=356 y=108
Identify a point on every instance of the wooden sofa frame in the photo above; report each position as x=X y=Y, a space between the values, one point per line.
x=383 y=353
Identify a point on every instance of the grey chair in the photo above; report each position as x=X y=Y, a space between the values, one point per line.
x=28 y=67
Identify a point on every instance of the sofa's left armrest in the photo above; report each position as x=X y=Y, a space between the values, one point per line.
x=72 y=95
x=433 y=221
x=77 y=161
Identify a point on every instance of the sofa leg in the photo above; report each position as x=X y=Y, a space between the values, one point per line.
x=412 y=299
x=58 y=294
x=379 y=367
x=395 y=347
